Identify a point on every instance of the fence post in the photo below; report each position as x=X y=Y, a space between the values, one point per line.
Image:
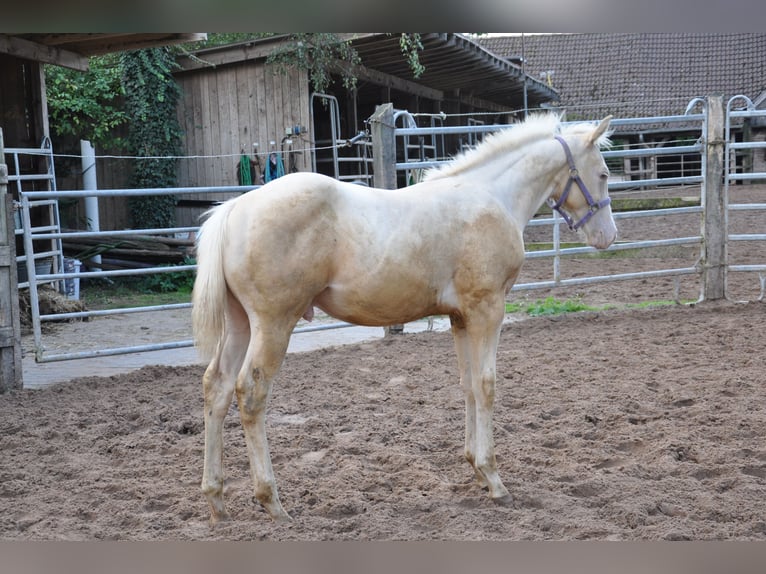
x=383 y=147
x=715 y=201
x=384 y=161
x=10 y=327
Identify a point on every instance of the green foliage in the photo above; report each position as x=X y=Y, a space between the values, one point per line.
x=180 y=282
x=151 y=97
x=324 y=54
x=320 y=54
x=87 y=105
x=411 y=47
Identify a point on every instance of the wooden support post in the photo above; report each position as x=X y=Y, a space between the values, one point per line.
x=10 y=327
x=715 y=200
x=383 y=147
x=384 y=162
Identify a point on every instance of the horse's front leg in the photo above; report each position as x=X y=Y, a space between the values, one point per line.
x=483 y=334
x=264 y=356
x=463 y=352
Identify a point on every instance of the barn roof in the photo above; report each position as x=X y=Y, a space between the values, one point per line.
x=454 y=65
x=639 y=75
x=454 y=62
x=72 y=50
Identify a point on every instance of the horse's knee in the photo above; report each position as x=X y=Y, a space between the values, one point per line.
x=252 y=392
x=484 y=391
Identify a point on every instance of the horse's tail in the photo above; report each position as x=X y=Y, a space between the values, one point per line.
x=209 y=294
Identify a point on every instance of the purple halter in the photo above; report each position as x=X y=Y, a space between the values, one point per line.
x=574 y=176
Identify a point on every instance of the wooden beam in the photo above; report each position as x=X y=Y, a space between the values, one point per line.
x=484 y=104
x=221 y=56
x=389 y=81
x=98 y=47
x=41 y=53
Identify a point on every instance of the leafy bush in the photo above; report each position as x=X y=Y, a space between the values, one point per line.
x=181 y=282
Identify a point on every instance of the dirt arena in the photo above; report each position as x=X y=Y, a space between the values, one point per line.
x=616 y=424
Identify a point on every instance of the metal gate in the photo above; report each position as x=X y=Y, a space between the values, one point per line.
x=698 y=122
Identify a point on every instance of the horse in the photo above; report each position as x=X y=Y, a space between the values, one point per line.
x=449 y=245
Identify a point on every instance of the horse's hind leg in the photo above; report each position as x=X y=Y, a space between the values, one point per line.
x=265 y=353
x=479 y=339
x=218 y=388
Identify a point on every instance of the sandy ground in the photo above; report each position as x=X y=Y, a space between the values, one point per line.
x=617 y=424
x=643 y=424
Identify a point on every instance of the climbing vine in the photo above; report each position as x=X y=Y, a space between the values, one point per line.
x=151 y=97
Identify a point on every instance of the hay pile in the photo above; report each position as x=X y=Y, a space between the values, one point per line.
x=50 y=302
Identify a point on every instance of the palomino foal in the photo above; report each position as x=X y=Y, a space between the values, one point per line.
x=450 y=245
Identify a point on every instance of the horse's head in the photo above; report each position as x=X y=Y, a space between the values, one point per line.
x=581 y=195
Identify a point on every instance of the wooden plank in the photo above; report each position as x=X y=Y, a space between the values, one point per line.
x=243 y=117
x=276 y=122
x=41 y=53
x=260 y=115
x=365 y=74
x=182 y=115
x=235 y=142
x=206 y=79
x=305 y=108
x=223 y=142
x=252 y=111
x=215 y=129
x=224 y=56
x=197 y=171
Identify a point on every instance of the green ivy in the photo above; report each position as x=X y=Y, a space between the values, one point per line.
x=151 y=97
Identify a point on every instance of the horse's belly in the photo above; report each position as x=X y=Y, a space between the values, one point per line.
x=379 y=308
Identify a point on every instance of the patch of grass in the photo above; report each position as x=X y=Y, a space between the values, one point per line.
x=138 y=290
x=551 y=306
x=99 y=295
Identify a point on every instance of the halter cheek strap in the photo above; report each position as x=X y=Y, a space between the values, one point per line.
x=574 y=177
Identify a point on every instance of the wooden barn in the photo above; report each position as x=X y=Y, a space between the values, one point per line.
x=234 y=103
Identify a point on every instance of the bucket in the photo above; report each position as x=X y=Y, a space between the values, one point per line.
x=42 y=267
x=72 y=285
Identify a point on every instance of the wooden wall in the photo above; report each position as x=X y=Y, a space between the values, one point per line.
x=224 y=110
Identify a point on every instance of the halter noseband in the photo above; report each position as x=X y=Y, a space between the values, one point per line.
x=574 y=177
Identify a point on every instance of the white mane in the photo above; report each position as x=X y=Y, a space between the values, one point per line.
x=515 y=137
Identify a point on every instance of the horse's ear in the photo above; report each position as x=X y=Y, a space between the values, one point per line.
x=600 y=129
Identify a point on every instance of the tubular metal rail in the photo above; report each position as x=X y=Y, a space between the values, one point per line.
x=425 y=156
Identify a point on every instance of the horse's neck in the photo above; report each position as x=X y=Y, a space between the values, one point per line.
x=524 y=185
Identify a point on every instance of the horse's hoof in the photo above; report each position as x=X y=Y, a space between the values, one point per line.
x=282 y=518
x=218 y=518
x=506 y=500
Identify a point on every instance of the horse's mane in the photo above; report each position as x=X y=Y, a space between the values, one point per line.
x=535 y=127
